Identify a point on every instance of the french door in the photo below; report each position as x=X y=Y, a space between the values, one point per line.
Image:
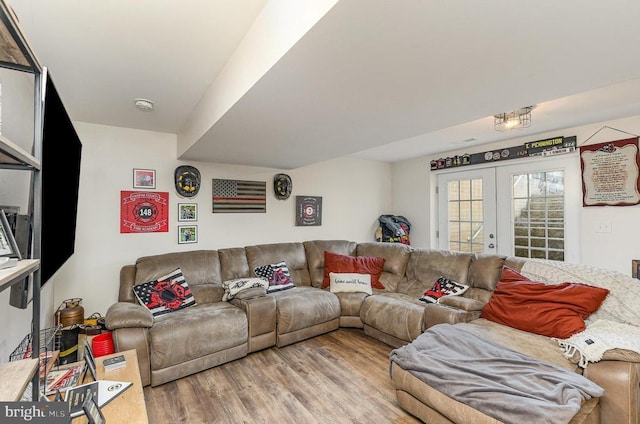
x=467 y=211
x=518 y=210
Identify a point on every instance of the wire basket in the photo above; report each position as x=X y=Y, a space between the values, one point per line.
x=49 y=342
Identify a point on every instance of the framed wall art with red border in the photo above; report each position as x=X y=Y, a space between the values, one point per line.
x=611 y=173
x=144 y=212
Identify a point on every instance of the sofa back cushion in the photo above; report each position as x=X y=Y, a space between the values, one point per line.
x=201 y=270
x=484 y=273
x=396 y=257
x=315 y=249
x=485 y=270
x=234 y=264
x=425 y=266
x=369 y=265
x=127 y=279
x=293 y=254
x=515 y=263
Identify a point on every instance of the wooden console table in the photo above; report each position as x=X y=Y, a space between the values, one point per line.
x=129 y=406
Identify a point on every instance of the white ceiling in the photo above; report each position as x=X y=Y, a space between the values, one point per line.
x=379 y=79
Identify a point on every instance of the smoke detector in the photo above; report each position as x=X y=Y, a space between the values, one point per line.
x=144 y=104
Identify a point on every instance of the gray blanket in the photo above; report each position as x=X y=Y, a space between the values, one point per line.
x=499 y=382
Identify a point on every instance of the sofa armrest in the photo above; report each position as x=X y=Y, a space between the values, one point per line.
x=130 y=323
x=251 y=293
x=620 y=382
x=261 y=319
x=137 y=339
x=128 y=315
x=464 y=303
x=441 y=314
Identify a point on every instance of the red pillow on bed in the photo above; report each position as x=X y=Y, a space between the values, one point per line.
x=334 y=262
x=554 y=310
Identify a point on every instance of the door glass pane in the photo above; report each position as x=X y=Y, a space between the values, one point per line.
x=539 y=216
x=477 y=237
x=454 y=190
x=476 y=210
x=465 y=210
x=476 y=189
x=465 y=189
x=454 y=231
x=454 y=211
x=465 y=215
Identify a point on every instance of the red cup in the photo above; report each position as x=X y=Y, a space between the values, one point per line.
x=102 y=344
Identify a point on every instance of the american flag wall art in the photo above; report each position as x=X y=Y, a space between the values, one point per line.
x=237 y=196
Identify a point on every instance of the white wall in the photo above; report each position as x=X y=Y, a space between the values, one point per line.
x=355 y=192
x=413 y=194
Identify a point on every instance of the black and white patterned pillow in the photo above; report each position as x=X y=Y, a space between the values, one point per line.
x=443 y=287
x=277 y=275
x=233 y=287
x=167 y=294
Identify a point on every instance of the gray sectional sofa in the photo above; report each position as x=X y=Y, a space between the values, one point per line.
x=213 y=332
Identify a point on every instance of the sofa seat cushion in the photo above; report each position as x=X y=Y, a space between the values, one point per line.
x=195 y=332
x=431 y=405
x=534 y=345
x=303 y=307
x=396 y=314
x=350 y=303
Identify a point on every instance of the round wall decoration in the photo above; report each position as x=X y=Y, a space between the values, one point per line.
x=282 y=186
x=187 y=180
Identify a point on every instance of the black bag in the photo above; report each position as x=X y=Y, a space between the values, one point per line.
x=394 y=229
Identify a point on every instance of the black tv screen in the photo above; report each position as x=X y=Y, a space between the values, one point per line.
x=60 y=167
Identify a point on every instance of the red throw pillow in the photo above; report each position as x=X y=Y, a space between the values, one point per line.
x=509 y=275
x=554 y=310
x=334 y=262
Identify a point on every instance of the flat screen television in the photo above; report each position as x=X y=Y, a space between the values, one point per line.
x=60 y=167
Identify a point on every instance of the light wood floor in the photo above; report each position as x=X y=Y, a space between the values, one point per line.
x=339 y=377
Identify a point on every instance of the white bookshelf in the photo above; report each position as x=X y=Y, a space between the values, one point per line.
x=17 y=56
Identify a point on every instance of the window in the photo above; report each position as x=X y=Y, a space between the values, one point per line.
x=539 y=218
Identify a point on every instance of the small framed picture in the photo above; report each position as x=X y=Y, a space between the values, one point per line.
x=144 y=178
x=89 y=359
x=187 y=212
x=187 y=234
x=635 y=266
x=8 y=246
x=92 y=410
x=308 y=211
